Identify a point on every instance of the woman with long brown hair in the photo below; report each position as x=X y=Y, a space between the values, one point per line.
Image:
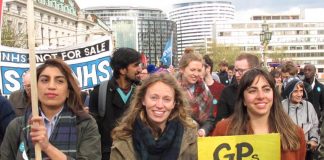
x=258 y=110
x=65 y=130
x=157 y=124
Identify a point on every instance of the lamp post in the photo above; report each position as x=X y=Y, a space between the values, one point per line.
x=265 y=37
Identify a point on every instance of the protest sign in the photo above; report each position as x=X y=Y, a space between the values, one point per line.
x=243 y=147
x=90 y=63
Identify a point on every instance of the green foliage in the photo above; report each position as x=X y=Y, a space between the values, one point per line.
x=220 y=52
x=12 y=37
x=278 y=55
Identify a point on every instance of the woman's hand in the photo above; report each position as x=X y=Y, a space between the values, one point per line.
x=38 y=132
x=201 y=133
x=313 y=145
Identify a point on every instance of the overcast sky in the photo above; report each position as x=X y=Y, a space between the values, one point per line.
x=243 y=7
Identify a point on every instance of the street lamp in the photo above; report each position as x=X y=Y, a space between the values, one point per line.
x=265 y=37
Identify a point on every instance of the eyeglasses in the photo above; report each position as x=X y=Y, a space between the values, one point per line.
x=27 y=86
x=240 y=71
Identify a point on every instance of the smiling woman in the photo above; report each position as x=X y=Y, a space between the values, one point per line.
x=65 y=130
x=157 y=124
x=197 y=91
x=258 y=110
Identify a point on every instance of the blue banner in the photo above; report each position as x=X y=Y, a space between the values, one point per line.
x=90 y=63
x=166 y=58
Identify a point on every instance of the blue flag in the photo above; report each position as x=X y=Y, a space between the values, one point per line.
x=166 y=58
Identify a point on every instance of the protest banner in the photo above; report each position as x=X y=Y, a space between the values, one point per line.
x=243 y=147
x=90 y=63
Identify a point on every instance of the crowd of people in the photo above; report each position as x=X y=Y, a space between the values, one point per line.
x=149 y=112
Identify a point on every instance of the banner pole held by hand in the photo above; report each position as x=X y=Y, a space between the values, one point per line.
x=32 y=63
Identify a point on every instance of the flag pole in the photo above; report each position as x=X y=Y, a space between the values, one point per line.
x=32 y=63
x=171 y=48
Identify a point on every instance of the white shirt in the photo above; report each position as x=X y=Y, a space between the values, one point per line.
x=50 y=124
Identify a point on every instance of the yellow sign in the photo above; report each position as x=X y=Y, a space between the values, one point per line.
x=244 y=147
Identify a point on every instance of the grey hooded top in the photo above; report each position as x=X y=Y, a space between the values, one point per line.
x=303 y=113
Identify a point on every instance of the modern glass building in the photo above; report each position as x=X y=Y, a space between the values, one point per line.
x=144 y=29
x=195 y=19
x=294 y=36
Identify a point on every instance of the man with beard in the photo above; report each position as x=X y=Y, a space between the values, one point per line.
x=120 y=88
x=317 y=96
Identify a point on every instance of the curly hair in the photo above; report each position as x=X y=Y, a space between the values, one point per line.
x=181 y=110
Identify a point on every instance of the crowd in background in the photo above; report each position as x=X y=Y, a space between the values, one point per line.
x=157 y=112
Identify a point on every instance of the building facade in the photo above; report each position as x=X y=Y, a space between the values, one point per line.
x=58 y=23
x=144 y=29
x=294 y=37
x=195 y=21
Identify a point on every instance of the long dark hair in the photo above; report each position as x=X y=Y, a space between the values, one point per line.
x=74 y=101
x=279 y=121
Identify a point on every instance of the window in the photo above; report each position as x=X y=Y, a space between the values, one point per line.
x=9 y=23
x=8 y=7
x=41 y=16
x=49 y=36
x=20 y=27
x=55 y=20
x=18 y=10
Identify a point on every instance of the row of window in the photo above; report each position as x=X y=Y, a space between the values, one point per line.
x=314 y=54
x=279 y=33
x=59 y=5
x=271 y=25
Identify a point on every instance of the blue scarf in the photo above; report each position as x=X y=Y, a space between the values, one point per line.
x=166 y=147
x=63 y=137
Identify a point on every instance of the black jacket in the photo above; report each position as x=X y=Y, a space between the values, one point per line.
x=317 y=98
x=6 y=115
x=115 y=107
x=227 y=102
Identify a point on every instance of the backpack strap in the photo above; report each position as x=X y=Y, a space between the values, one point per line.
x=103 y=87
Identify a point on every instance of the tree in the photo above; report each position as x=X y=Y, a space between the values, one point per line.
x=11 y=36
x=278 y=55
x=220 y=52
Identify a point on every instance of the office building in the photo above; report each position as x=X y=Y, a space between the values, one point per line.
x=144 y=29
x=195 y=19
x=297 y=37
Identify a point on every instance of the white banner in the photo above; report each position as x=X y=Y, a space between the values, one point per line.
x=90 y=63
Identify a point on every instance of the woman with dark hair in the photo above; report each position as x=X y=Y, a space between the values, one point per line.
x=157 y=124
x=258 y=110
x=65 y=130
x=276 y=74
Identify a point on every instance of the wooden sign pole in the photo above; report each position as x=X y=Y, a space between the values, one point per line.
x=32 y=63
